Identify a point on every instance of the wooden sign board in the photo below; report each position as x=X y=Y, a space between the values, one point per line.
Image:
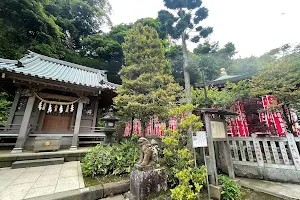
x=218 y=130
x=199 y=139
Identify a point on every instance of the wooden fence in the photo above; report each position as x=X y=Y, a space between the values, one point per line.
x=274 y=152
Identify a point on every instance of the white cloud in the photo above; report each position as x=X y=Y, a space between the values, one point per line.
x=254 y=26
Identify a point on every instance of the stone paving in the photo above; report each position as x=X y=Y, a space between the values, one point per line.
x=281 y=190
x=31 y=182
x=119 y=197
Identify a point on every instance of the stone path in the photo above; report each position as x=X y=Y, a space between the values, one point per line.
x=119 y=197
x=31 y=182
x=281 y=190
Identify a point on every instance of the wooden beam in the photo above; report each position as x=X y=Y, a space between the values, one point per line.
x=57 y=97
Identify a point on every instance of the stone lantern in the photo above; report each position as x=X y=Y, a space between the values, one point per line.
x=109 y=128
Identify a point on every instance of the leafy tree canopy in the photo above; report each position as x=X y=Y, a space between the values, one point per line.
x=253 y=65
x=154 y=23
x=175 y=56
x=212 y=58
x=188 y=14
x=222 y=98
x=48 y=27
x=281 y=79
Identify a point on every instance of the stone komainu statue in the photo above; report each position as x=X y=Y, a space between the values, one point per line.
x=148 y=154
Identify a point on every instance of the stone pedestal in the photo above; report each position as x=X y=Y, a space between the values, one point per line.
x=215 y=192
x=144 y=184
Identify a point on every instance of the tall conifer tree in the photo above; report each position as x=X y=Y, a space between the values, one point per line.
x=148 y=88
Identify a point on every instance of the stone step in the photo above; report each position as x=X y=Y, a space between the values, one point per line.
x=37 y=163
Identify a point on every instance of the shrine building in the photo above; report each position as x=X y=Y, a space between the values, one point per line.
x=254 y=115
x=53 y=98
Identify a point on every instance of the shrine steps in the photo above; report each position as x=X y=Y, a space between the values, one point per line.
x=37 y=163
x=7 y=158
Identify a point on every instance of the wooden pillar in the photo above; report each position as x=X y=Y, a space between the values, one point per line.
x=228 y=158
x=13 y=109
x=24 y=126
x=212 y=157
x=77 y=125
x=95 y=112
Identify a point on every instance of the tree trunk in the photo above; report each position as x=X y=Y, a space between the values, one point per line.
x=143 y=124
x=186 y=74
x=131 y=131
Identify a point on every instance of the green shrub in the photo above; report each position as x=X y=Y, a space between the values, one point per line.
x=184 y=179
x=230 y=190
x=116 y=159
x=191 y=181
x=4 y=107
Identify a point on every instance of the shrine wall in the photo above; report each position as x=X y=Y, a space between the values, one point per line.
x=267 y=173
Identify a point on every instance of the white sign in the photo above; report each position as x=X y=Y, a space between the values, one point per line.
x=199 y=139
x=218 y=129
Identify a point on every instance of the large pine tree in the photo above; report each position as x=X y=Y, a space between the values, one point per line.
x=148 y=88
x=182 y=21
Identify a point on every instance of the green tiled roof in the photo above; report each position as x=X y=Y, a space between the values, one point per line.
x=36 y=65
x=224 y=78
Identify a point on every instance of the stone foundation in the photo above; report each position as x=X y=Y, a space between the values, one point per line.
x=268 y=173
x=144 y=184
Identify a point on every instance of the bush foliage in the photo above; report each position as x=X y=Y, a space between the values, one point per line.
x=4 y=107
x=184 y=178
x=116 y=159
x=230 y=190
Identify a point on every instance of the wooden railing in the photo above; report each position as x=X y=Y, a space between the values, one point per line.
x=91 y=135
x=278 y=152
x=89 y=129
x=15 y=127
x=12 y=132
x=10 y=128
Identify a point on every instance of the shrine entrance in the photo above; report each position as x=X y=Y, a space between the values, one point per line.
x=56 y=118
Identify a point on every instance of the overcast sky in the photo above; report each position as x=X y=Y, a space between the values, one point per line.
x=254 y=26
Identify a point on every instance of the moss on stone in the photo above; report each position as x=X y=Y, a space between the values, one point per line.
x=88 y=181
